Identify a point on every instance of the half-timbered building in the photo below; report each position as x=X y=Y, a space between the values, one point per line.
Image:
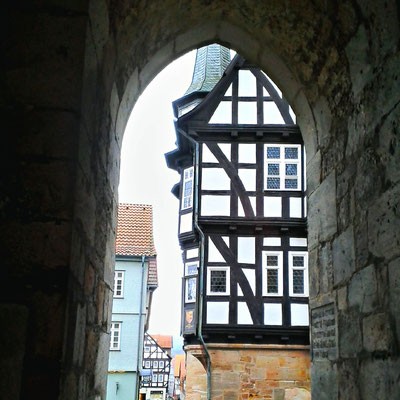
x=156 y=366
x=242 y=218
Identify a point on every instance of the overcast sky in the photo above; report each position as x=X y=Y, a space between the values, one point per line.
x=145 y=179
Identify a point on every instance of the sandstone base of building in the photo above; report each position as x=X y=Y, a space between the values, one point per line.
x=244 y=372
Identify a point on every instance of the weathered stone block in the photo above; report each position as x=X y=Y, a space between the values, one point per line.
x=379 y=379
x=394 y=293
x=322 y=212
x=349 y=331
x=363 y=289
x=314 y=172
x=377 y=335
x=343 y=256
x=324 y=384
x=326 y=268
x=384 y=224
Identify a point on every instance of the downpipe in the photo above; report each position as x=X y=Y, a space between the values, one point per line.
x=201 y=272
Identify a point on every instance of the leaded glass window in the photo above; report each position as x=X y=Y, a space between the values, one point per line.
x=298 y=274
x=272 y=273
x=282 y=167
x=187 y=193
x=218 y=281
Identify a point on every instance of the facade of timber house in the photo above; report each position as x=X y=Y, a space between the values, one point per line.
x=71 y=74
x=242 y=230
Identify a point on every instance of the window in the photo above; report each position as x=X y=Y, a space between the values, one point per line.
x=298 y=273
x=115 y=335
x=190 y=293
x=119 y=283
x=191 y=268
x=147 y=349
x=160 y=378
x=272 y=273
x=154 y=378
x=161 y=364
x=282 y=167
x=147 y=364
x=155 y=364
x=187 y=192
x=218 y=281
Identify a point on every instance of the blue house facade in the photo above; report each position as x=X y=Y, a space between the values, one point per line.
x=135 y=279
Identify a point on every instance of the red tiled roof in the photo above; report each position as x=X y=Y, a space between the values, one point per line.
x=135 y=231
x=152 y=276
x=164 y=341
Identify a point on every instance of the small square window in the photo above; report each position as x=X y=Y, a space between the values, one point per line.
x=290 y=183
x=291 y=153
x=273 y=183
x=273 y=152
x=218 y=281
x=273 y=169
x=291 y=169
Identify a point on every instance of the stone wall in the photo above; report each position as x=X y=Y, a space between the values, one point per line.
x=243 y=372
x=71 y=74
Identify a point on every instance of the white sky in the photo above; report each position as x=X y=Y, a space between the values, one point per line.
x=145 y=179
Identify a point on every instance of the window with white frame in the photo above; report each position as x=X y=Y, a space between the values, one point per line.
x=187 y=191
x=160 y=378
x=218 y=281
x=155 y=364
x=115 y=335
x=190 y=292
x=298 y=273
x=154 y=378
x=191 y=268
x=272 y=273
x=147 y=364
x=161 y=364
x=282 y=167
x=147 y=349
x=119 y=283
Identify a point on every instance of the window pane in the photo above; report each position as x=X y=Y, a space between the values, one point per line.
x=273 y=183
x=298 y=281
x=272 y=281
x=273 y=169
x=218 y=281
x=291 y=152
x=223 y=113
x=272 y=261
x=191 y=269
x=247 y=83
x=273 y=152
x=188 y=188
x=298 y=261
x=291 y=169
x=247 y=112
x=191 y=289
x=290 y=183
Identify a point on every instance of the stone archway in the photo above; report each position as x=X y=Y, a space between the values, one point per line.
x=68 y=103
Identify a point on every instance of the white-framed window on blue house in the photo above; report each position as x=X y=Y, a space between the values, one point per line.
x=115 y=332
x=187 y=188
x=119 y=283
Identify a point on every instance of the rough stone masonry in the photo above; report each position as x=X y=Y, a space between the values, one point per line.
x=71 y=74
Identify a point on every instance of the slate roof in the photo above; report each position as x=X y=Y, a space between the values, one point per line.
x=135 y=230
x=211 y=62
x=164 y=341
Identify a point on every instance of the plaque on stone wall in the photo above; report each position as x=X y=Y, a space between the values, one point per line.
x=323 y=332
x=189 y=321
